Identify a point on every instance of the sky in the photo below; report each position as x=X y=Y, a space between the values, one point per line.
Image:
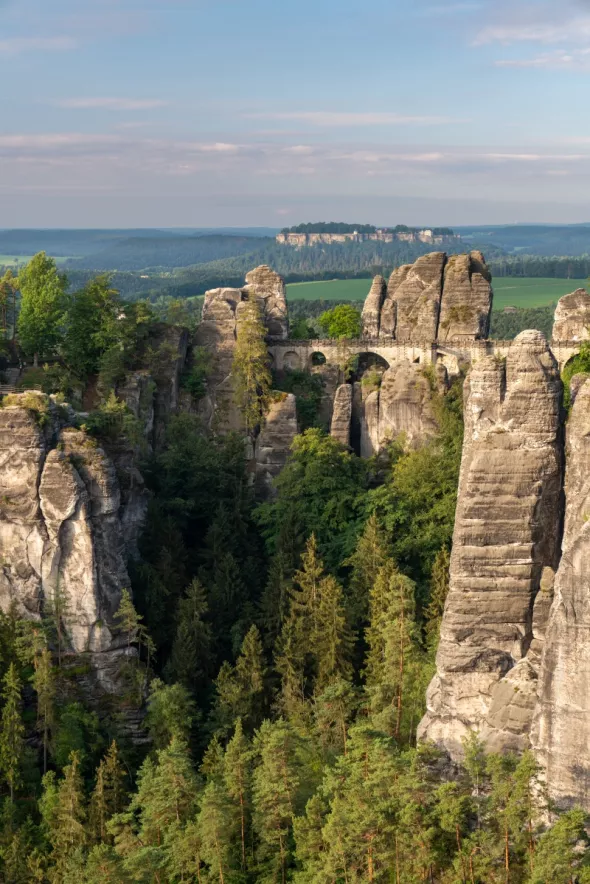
x=192 y=113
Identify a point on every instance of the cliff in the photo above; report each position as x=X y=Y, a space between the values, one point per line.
x=436 y=298
x=572 y=317
x=61 y=530
x=561 y=727
x=507 y=533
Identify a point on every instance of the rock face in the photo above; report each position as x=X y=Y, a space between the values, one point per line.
x=572 y=317
x=342 y=414
x=562 y=717
x=269 y=287
x=60 y=530
x=416 y=291
x=274 y=443
x=372 y=308
x=436 y=298
x=217 y=333
x=467 y=298
x=507 y=532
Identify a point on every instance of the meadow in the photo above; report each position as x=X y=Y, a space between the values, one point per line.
x=509 y=291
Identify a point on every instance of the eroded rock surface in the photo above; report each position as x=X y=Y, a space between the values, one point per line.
x=572 y=317
x=342 y=414
x=561 y=727
x=416 y=292
x=60 y=529
x=371 y=315
x=274 y=443
x=507 y=531
x=467 y=298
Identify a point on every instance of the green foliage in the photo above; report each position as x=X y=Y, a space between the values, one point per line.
x=251 y=368
x=579 y=364
x=321 y=491
x=113 y=422
x=343 y=321
x=42 y=291
x=90 y=320
x=195 y=379
x=308 y=389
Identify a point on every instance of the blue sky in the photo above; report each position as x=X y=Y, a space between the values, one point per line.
x=120 y=113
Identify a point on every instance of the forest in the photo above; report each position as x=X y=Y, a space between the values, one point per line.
x=283 y=649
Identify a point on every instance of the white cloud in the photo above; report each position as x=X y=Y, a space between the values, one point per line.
x=114 y=104
x=574 y=59
x=573 y=30
x=337 y=118
x=19 y=45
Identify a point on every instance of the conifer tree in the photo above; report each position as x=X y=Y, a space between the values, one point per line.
x=240 y=689
x=439 y=588
x=109 y=794
x=370 y=555
x=332 y=639
x=170 y=713
x=217 y=830
x=104 y=867
x=12 y=730
x=333 y=712
x=237 y=774
x=563 y=852
x=63 y=808
x=251 y=374
x=190 y=658
x=276 y=784
x=393 y=664
x=43 y=680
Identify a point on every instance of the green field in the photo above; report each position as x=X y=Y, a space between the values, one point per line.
x=508 y=290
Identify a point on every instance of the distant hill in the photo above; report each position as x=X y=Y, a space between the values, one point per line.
x=532 y=239
x=167 y=253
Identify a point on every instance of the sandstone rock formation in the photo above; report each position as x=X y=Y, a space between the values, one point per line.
x=217 y=333
x=416 y=291
x=60 y=529
x=467 y=298
x=342 y=414
x=274 y=443
x=507 y=531
x=572 y=317
x=372 y=308
x=437 y=297
x=561 y=728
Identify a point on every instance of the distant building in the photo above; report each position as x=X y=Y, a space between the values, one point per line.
x=426 y=235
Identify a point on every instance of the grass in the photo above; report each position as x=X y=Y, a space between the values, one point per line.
x=509 y=291
x=11 y=260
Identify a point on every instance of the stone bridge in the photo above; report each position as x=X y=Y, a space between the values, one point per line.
x=304 y=355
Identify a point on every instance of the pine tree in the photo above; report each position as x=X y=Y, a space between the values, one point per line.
x=563 y=852
x=63 y=808
x=332 y=640
x=104 y=867
x=170 y=713
x=12 y=730
x=275 y=797
x=370 y=555
x=251 y=374
x=109 y=794
x=237 y=763
x=217 y=830
x=394 y=664
x=190 y=658
x=43 y=680
x=130 y=622
x=333 y=711
x=439 y=588
x=240 y=689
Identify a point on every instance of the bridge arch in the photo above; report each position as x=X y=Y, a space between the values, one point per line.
x=317 y=358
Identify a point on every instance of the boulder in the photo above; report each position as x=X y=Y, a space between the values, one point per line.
x=509 y=510
x=572 y=317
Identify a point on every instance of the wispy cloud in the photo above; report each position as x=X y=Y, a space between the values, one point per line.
x=573 y=30
x=574 y=59
x=113 y=104
x=338 y=119
x=20 y=45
